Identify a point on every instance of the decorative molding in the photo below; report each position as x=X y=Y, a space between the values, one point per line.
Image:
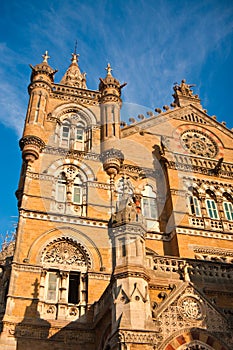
x=72 y=154
x=200 y=165
x=65 y=252
x=210 y=234
x=36 y=331
x=62 y=218
x=26 y=268
x=213 y=251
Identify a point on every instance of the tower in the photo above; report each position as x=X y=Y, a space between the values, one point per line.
x=124 y=238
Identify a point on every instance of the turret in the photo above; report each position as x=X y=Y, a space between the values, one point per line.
x=110 y=100
x=128 y=228
x=132 y=304
x=42 y=77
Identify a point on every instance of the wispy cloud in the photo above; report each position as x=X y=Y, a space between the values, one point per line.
x=149 y=44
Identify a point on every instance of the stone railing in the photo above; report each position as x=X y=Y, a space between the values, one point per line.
x=210 y=224
x=203 y=166
x=191 y=270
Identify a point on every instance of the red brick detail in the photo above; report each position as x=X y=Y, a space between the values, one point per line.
x=169 y=347
x=181 y=340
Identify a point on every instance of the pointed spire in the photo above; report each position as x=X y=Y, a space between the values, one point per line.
x=46 y=57
x=73 y=76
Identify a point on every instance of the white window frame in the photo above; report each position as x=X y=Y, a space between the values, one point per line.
x=77 y=138
x=148 y=202
x=212 y=209
x=61 y=195
x=65 y=140
x=77 y=185
x=55 y=299
x=228 y=210
x=194 y=205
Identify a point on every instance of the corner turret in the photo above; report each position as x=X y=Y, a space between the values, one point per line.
x=110 y=100
x=42 y=78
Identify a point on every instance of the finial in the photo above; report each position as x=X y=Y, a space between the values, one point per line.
x=75 y=55
x=108 y=69
x=74 y=58
x=75 y=47
x=45 y=57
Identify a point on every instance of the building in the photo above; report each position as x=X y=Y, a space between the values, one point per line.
x=125 y=232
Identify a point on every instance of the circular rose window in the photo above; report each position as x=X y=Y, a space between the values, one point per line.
x=199 y=143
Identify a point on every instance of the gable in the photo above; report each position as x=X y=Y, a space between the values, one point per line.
x=187 y=308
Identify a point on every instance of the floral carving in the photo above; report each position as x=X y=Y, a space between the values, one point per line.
x=65 y=253
x=190 y=308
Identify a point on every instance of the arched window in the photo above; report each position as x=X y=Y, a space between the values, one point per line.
x=194 y=203
x=61 y=188
x=75 y=134
x=63 y=279
x=211 y=205
x=77 y=191
x=149 y=204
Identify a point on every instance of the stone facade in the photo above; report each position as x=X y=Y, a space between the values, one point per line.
x=125 y=232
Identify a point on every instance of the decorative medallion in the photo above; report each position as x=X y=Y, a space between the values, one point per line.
x=199 y=143
x=190 y=308
x=65 y=253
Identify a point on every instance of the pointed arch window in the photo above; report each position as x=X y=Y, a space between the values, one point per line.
x=149 y=203
x=194 y=206
x=194 y=202
x=61 y=188
x=211 y=205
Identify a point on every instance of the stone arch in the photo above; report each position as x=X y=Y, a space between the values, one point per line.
x=85 y=113
x=68 y=233
x=66 y=251
x=183 y=339
x=86 y=169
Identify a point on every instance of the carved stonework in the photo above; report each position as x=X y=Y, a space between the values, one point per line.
x=195 y=345
x=199 y=143
x=190 y=308
x=65 y=252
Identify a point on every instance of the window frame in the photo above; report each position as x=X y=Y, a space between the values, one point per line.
x=65 y=140
x=210 y=208
x=61 y=184
x=151 y=203
x=52 y=300
x=194 y=205
x=228 y=211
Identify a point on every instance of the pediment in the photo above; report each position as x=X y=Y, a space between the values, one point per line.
x=188 y=114
x=185 y=308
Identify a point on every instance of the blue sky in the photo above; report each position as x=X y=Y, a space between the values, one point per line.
x=150 y=44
